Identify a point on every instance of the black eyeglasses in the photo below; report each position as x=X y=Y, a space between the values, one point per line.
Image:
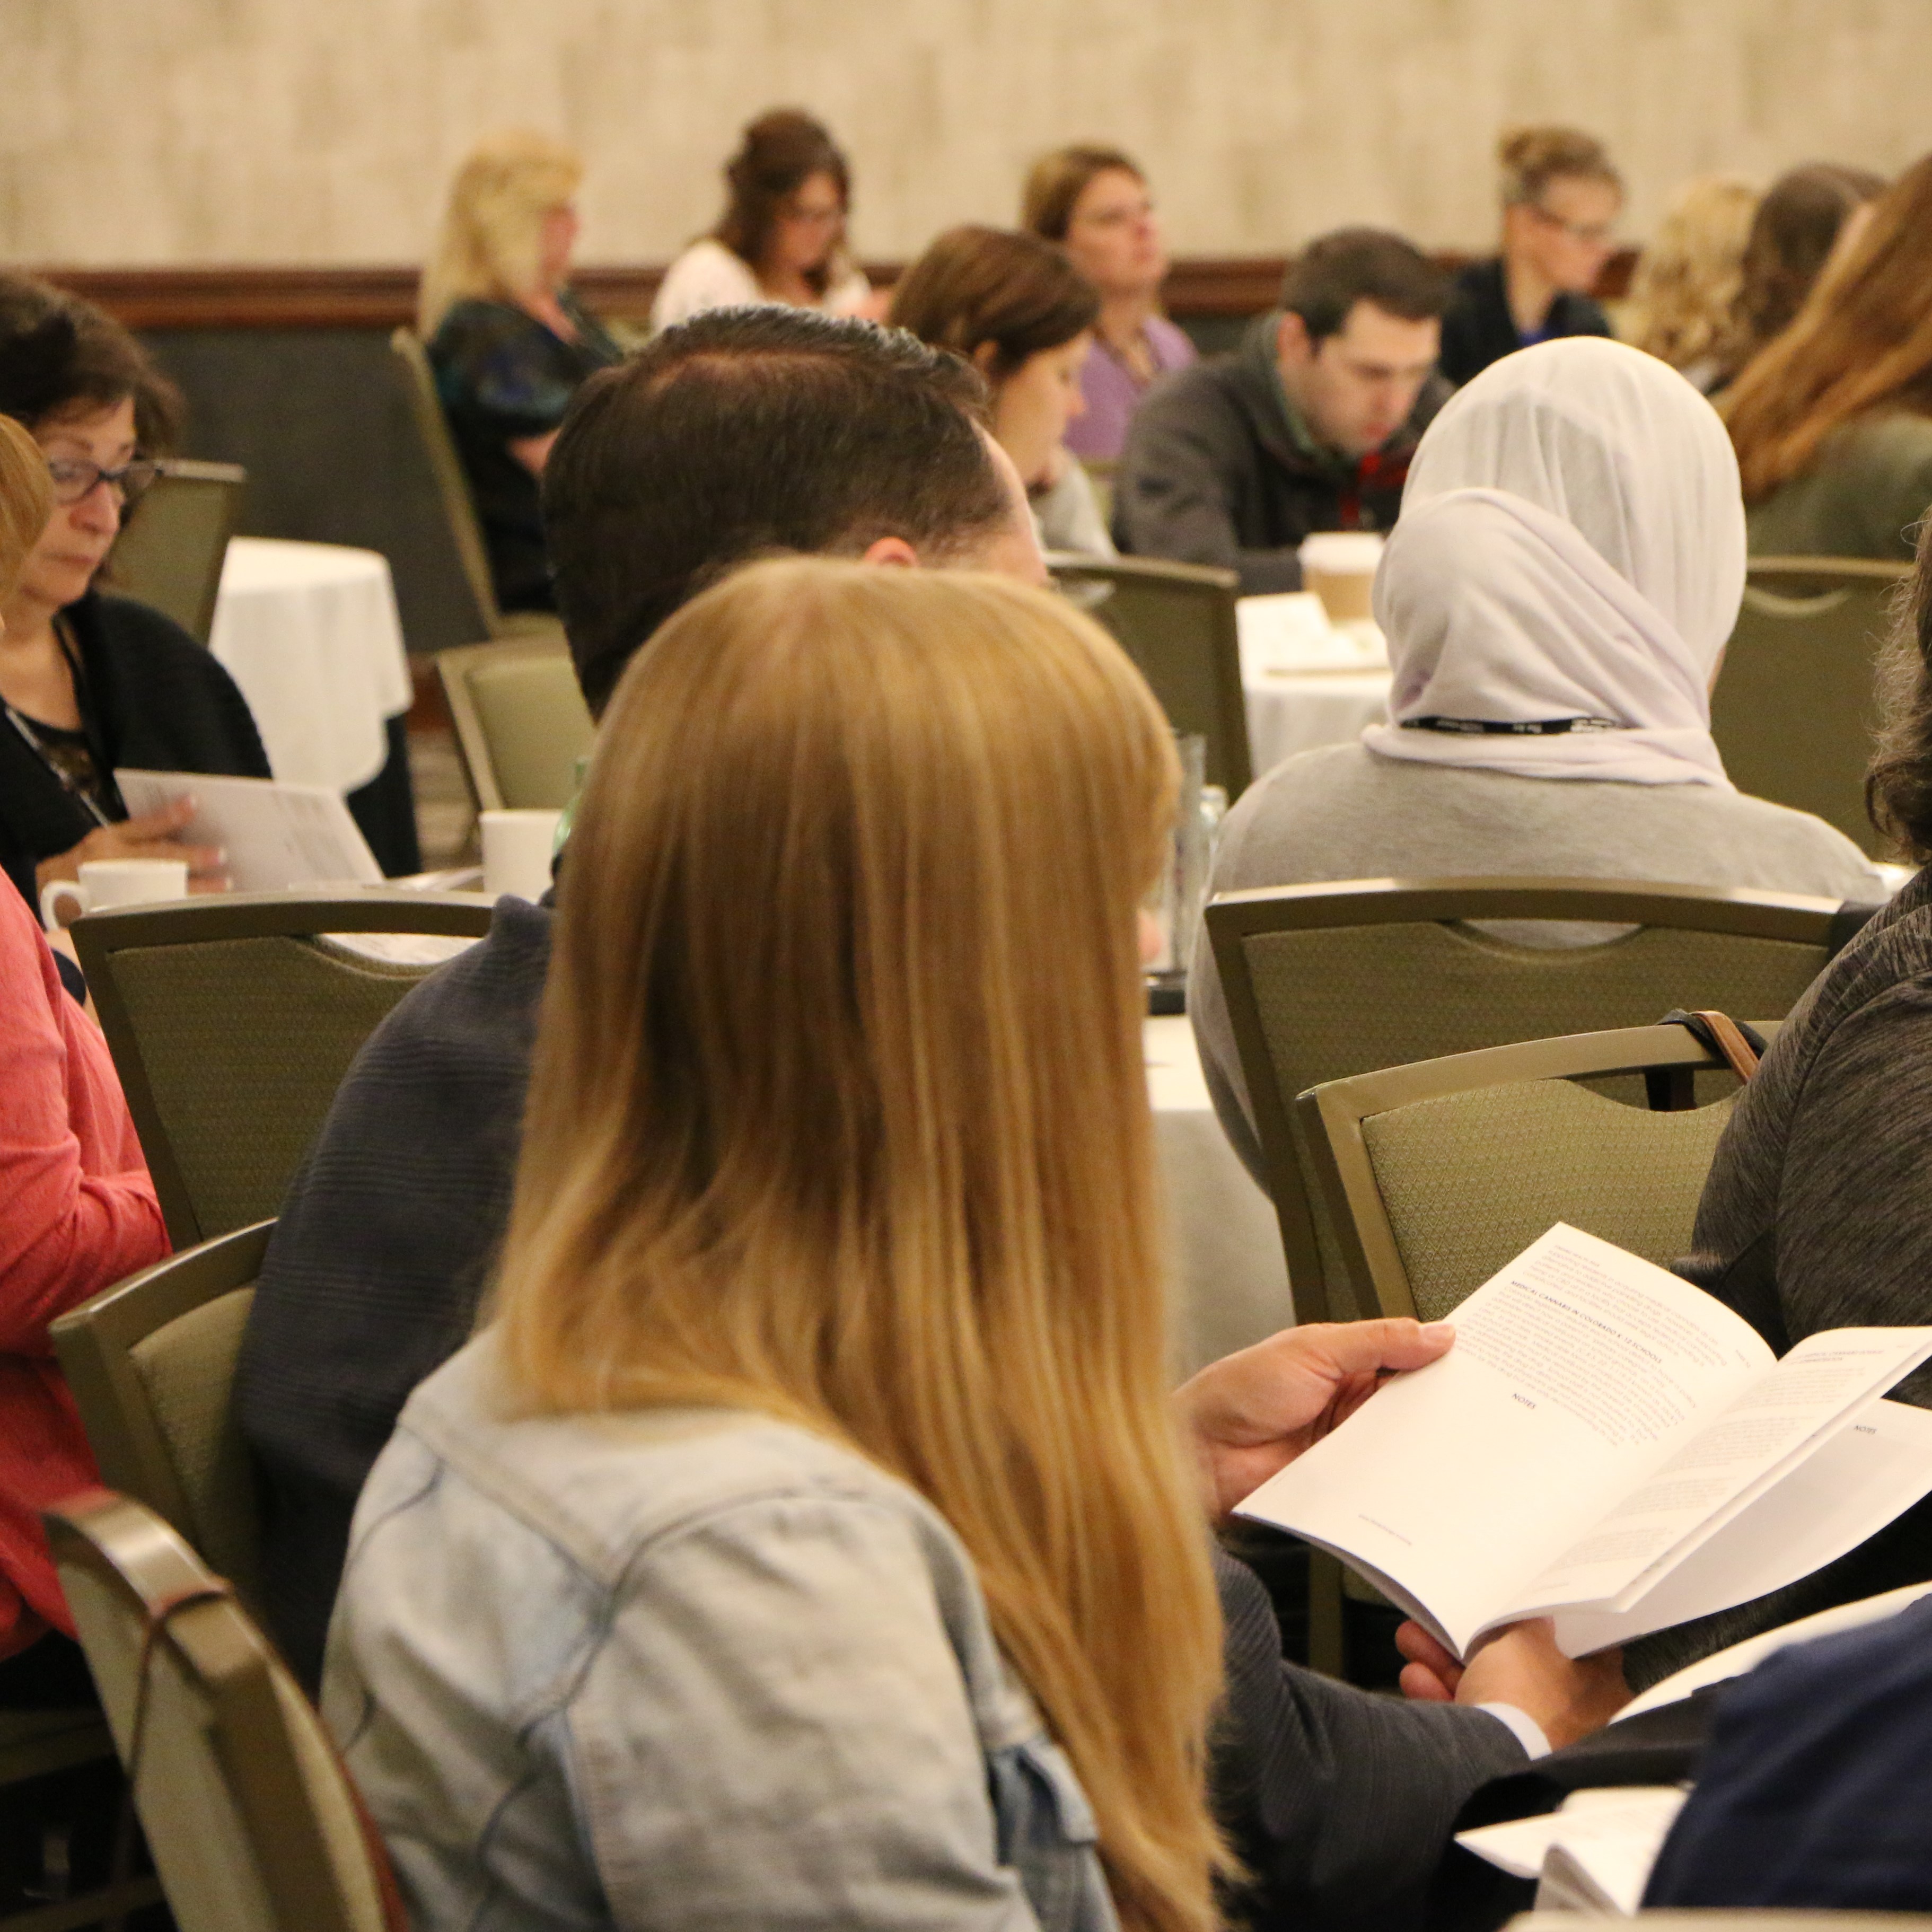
x=74 y=477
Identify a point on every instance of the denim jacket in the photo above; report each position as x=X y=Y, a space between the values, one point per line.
x=685 y=1669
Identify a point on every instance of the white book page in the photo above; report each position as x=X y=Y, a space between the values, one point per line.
x=1739 y=1658
x=275 y=835
x=1577 y=1370
x=1614 y=1834
x=1816 y=1389
x=1847 y=1489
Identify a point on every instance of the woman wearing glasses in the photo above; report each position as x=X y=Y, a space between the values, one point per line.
x=90 y=682
x=1561 y=200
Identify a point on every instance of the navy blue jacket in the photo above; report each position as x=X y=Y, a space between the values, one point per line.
x=1816 y=1791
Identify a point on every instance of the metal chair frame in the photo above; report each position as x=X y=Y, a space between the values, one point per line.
x=100 y=937
x=1234 y=918
x=1226 y=727
x=455 y=668
x=1332 y=1114
x=94 y=1345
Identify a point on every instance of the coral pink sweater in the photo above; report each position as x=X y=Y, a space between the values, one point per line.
x=77 y=1213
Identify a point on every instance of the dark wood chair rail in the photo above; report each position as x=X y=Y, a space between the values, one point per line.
x=1200 y=286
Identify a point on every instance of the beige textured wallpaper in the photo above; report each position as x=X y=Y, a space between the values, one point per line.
x=321 y=131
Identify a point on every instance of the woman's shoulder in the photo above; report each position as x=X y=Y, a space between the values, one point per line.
x=164 y=693
x=1871 y=482
x=1173 y=347
x=612 y=1487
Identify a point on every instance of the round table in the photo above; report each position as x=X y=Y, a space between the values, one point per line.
x=1229 y=1278
x=311 y=634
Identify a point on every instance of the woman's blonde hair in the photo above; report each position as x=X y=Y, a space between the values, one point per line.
x=1684 y=296
x=26 y=501
x=838 y=1114
x=490 y=242
x=1861 y=344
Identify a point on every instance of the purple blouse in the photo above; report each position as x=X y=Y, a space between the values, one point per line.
x=1113 y=393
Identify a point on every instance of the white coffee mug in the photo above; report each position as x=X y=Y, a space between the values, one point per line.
x=105 y=883
x=516 y=850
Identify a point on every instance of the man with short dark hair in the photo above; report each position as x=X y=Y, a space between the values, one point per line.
x=1309 y=426
x=742 y=432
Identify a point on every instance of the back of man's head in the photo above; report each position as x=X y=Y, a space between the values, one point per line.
x=1335 y=271
x=746 y=431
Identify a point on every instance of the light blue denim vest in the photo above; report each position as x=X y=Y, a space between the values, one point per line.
x=685 y=1669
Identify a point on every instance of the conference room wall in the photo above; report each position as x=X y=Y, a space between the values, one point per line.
x=260 y=131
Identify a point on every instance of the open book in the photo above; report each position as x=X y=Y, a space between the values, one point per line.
x=1607 y=1445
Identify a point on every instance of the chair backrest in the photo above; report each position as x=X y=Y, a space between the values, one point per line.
x=1436 y=1175
x=171 y=551
x=232 y=1020
x=1325 y=981
x=253 y=1825
x=151 y=1362
x=520 y=721
x=1794 y=711
x=452 y=486
x=1177 y=622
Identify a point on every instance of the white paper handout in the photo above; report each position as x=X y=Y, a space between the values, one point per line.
x=275 y=835
x=1594 y=1854
x=1609 y=1445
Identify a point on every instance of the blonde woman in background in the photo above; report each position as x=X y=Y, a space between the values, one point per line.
x=809 y=1539
x=1684 y=297
x=781 y=238
x=1095 y=203
x=1561 y=200
x=508 y=341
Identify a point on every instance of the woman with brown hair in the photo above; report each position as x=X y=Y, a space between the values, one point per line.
x=1016 y=309
x=90 y=682
x=509 y=340
x=810 y=1539
x=1832 y=421
x=1561 y=200
x=781 y=238
x=1805 y=216
x=1095 y=203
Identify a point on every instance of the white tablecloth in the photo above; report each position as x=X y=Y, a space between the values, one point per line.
x=1296 y=711
x=1306 y=683
x=1230 y=1280
x=311 y=634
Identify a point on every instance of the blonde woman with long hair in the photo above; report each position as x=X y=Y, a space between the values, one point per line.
x=509 y=340
x=809 y=1539
x=1684 y=296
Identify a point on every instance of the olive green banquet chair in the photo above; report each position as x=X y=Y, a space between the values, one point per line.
x=520 y=721
x=452 y=490
x=251 y=1819
x=151 y=1364
x=232 y=1020
x=1325 y=981
x=170 y=552
x=1177 y=622
x=1436 y=1175
x=1795 y=711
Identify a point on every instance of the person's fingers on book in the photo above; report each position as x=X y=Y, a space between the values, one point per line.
x=1421 y=1685
x=1432 y=1672
x=1252 y=1413
x=1569 y=1697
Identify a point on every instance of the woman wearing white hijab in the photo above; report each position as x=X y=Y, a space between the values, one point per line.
x=1556 y=598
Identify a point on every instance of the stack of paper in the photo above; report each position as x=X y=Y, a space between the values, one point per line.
x=1289 y=635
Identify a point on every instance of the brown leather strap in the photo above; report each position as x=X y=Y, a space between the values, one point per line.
x=1738 y=1053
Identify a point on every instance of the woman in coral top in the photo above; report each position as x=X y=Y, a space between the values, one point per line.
x=77 y=1213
